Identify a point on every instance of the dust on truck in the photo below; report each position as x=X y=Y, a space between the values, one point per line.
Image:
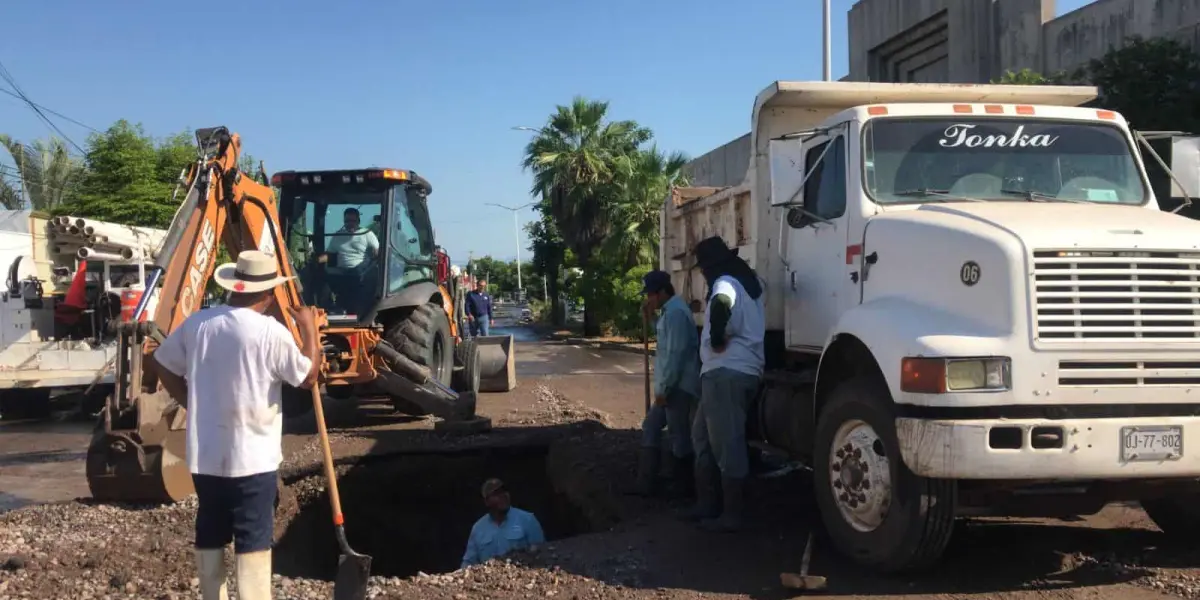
x=974 y=307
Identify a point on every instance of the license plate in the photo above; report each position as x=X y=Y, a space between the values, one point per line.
x=1153 y=443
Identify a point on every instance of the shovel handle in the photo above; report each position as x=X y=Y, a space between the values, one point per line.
x=335 y=502
x=646 y=358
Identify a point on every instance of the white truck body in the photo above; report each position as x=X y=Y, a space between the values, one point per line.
x=1001 y=238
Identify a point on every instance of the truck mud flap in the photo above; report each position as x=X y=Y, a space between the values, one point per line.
x=433 y=399
x=497 y=363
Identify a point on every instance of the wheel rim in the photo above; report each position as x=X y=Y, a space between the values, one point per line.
x=860 y=475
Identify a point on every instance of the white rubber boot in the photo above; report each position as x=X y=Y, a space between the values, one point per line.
x=210 y=566
x=254 y=575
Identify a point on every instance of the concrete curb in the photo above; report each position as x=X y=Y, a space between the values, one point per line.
x=582 y=341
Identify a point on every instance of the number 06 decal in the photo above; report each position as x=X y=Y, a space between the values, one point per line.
x=969 y=273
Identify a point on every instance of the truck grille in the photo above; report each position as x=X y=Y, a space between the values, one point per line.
x=1116 y=294
x=1128 y=373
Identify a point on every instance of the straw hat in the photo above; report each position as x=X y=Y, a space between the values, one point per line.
x=254 y=271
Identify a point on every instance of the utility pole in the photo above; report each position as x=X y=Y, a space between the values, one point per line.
x=828 y=64
x=517 y=233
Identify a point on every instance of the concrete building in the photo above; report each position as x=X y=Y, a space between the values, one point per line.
x=975 y=41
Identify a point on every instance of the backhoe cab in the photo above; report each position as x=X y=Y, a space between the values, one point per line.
x=362 y=244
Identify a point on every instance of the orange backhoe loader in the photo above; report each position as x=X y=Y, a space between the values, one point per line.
x=384 y=291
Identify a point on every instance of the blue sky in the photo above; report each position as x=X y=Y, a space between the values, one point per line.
x=435 y=87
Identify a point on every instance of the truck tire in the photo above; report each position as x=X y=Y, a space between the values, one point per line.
x=466 y=374
x=1177 y=516
x=423 y=336
x=896 y=521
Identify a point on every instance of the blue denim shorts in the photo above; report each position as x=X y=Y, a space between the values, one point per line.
x=236 y=509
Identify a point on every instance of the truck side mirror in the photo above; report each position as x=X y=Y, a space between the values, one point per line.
x=798 y=218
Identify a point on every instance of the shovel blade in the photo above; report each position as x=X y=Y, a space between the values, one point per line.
x=352 y=574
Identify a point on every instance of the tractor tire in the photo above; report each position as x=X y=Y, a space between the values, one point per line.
x=876 y=511
x=423 y=336
x=466 y=374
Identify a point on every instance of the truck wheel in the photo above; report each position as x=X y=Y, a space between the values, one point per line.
x=1176 y=516
x=877 y=511
x=466 y=375
x=423 y=337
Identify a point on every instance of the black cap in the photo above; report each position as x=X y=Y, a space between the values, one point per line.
x=655 y=281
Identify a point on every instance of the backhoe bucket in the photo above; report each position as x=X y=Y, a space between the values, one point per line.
x=142 y=461
x=497 y=363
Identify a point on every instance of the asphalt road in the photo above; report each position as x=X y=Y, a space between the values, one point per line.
x=44 y=461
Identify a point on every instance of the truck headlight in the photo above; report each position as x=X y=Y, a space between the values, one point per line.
x=940 y=375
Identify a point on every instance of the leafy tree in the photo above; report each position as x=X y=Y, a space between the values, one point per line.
x=574 y=160
x=549 y=256
x=46 y=174
x=129 y=180
x=646 y=178
x=1154 y=83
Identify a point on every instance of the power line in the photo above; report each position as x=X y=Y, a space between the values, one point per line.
x=53 y=112
x=12 y=82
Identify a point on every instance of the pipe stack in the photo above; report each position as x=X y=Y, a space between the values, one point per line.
x=90 y=239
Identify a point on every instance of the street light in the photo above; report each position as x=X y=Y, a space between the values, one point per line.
x=517 y=232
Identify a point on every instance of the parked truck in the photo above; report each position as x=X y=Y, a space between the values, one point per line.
x=974 y=307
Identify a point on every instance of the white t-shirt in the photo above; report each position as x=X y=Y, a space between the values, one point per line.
x=351 y=248
x=235 y=361
x=743 y=335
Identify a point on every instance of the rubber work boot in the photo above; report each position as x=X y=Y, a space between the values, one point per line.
x=647 y=472
x=731 y=517
x=210 y=566
x=683 y=481
x=254 y=575
x=708 y=504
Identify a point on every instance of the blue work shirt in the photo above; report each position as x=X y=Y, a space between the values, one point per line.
x=490 y=539
x=479 y=304
x=677 y=357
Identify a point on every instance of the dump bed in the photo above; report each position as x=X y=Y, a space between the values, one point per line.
x=742 y=214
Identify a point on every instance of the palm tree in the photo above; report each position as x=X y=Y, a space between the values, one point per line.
x=646 y=178
x=47 y=171
x=574 y=160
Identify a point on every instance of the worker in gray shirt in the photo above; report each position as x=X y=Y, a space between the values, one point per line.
x=733 y=359
x=676 y=386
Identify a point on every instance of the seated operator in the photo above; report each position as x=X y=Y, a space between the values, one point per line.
x=356 y=249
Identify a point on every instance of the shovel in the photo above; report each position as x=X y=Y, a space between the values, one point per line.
x=646 y=358
x=353 y=568
x=803 y=581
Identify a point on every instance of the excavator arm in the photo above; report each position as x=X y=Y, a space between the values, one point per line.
x=137 y=450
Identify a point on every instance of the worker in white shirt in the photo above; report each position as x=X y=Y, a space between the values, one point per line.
x=355 y=249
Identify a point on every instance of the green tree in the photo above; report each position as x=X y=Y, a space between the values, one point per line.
x=46 y=174
x=646 y=178
x=128 y=180
x=1154 y=83
x=574 y=160
x=549 y=256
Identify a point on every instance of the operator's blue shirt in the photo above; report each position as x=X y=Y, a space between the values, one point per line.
x=489 y=539
x=677 y=354
x=479 y=304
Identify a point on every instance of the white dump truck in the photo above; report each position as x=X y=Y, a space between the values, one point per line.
x=974 y=307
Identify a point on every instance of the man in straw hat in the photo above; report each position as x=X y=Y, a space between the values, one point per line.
x=226 y=365
x=732 y=361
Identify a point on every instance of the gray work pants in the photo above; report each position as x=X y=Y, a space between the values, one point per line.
x=719 y=430
x=676 y=417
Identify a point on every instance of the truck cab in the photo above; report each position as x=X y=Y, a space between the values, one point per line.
x=975 y=307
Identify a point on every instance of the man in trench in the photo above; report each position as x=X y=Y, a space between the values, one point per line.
x=676 y=387
x=732 y=362
x=226 y=365
x=503 y=529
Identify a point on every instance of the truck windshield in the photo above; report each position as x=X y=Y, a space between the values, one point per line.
x=909 y=160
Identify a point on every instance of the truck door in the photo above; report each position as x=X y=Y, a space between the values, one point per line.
x=816 y=246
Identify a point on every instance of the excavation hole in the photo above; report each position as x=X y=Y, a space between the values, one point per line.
x=414 y=512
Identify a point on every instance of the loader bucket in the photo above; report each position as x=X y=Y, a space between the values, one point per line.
x=497 y=363
x=139 y=455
